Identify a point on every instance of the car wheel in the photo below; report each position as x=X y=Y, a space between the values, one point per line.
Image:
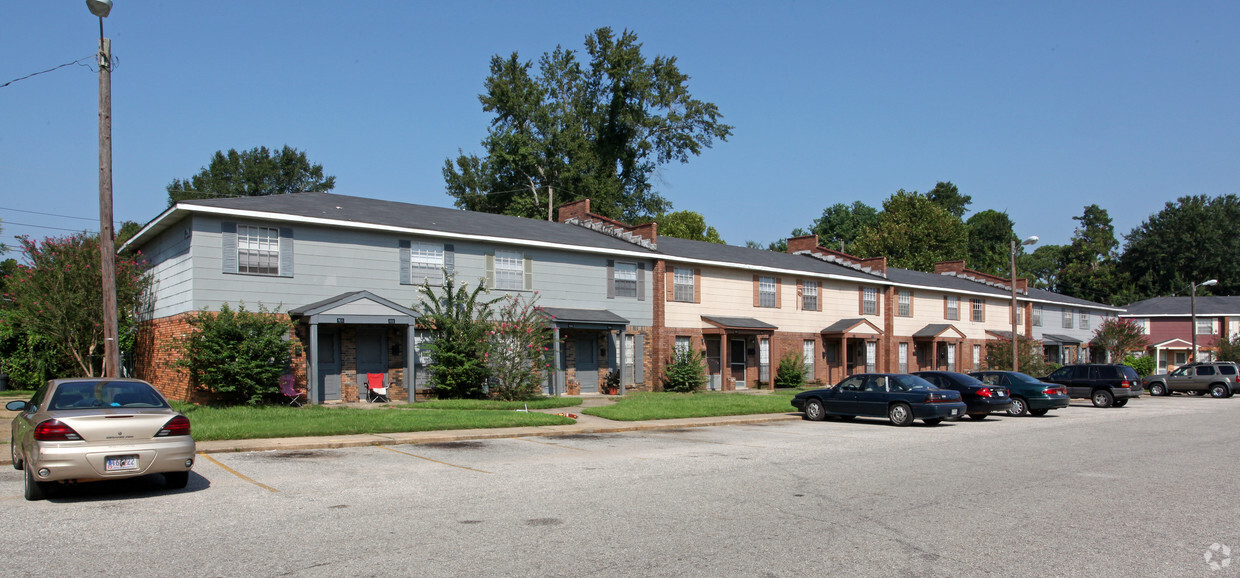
x=32 y=489
x=979 y=416
x=1019 y=407
x=1120 y=403
x=900 y=414
x=17 y=462
x=814 y=410
x=933 y=421
x=1158 y=389
x=1103 y=398
x=1218 y=391
x=1038 y=412
x=176 y=480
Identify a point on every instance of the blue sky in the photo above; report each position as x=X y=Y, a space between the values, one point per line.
x=1034 y=108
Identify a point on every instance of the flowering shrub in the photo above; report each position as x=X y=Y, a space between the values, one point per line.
x=518 y=349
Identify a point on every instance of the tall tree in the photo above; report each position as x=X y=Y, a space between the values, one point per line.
x=914 y=232
x=687 y=225
x=841 y=224
x=571 y=130
x=947 y=195
x=1088 y=267
x=1193 y=239
x=990 y=242
x=253 y=173
x=1118 y=337
x=1042 y=266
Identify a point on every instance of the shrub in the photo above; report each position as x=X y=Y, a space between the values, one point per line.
x=999 y=356
x=1227 y=348
x=518 y=350
x=237 y=356
x=1144 y=364
x=686 y=373
x=791 y=372
x=458 y=321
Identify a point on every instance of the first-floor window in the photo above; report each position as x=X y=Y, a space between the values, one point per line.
x=683 y=344
x=903 y=358
x=258 y=250
x=977 y=357
x=871 y=355
x=764 y=359
x=630 y=355
x=951 y=356
x=807 y=351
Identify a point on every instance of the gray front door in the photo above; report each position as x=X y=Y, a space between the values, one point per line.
x=328 y=360
x=371 y=354
x=586 y=363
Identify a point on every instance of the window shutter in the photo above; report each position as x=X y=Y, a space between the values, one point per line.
x=529 y=273
x=800 y=295
x=861 y=300
x=669 y=282
x=822 y=296
x=944 y=307
x=490 y=259
x=697 y=285
x=757 y=300
x=611 y=279
x=286 y=251
x=449 y=258
x=612 y=347
x=639 y=367
x=228 y=244
x=641 y=281
x=405 y=268
x=779 y=292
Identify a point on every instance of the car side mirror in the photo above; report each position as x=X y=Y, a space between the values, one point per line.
x=18 y=405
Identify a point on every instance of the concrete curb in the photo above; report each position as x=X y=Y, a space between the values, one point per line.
x=593 y=425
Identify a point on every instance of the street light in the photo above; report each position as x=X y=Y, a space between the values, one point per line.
x=107 y=248
x=1193 y=305
x=1015 y=347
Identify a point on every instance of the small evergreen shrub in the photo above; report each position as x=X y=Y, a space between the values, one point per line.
x=1144 y=364
x=791 y=372
x=686 y=373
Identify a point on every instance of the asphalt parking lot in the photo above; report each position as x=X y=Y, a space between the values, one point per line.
x=1137 y=491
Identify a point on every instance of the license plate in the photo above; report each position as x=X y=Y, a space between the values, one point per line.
x=955 y=412
x=120 y=463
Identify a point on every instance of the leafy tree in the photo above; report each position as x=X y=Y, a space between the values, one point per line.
x=253 y=173
x=990 y=242
x=1088 y=267
x=1143 y=364
x=57 y=294
x=458 y=321
x=1041 y=266
x=1190 y=240
x=1227 y=348
x=841 y=224
x=571 y=130
x=791 y=372
x=29 y=359
x=947 y=195
x=518 y=349
x=687 y=225
x=237 y=356
x=914 y=233
x=686 y=373
x=1029 y=354
x=1119 y=336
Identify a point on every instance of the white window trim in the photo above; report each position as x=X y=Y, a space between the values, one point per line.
x=766 y=291
x=625 y=275
x=254 y=248
x=509 y=265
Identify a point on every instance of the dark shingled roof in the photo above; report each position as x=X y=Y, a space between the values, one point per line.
x=1206 y=305
x=1053 y=338
x=845 y=324
x=601 y=316
x=738 y=322
x=935 y=329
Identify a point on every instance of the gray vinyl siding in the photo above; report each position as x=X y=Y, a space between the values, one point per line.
x=1052 y=322
x=330 y=261
x=168 y=258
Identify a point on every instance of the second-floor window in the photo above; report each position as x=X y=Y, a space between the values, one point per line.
x=1037 y=315
x=904 y=303
x=626 y=279
x=869 y=301
x=1084 y=319
x=952 y=308
x=426 y=263
x=979 y=309
x=682 y=284
x=1142 y=324
x=809 y=295
x=1067 y=319
x=258 y=250
x=509 y=270
x=1205 y=326
x=766 y=292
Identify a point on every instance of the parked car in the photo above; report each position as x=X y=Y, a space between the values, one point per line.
x=1029 y=396
x=92 y=429
x=900 y=398
x=1220 y=378
x=1106 y=384
x=981 y=398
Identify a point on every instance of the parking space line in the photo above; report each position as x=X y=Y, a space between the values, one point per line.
x=551 y=444
x=432 y=460
x=238 y=474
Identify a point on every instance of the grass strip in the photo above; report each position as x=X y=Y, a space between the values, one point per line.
x=244 y=422
x=643 y=406
x=543 y=403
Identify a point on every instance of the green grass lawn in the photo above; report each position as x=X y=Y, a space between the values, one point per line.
x=642 y=406
x=543 y=403
x=234 y=423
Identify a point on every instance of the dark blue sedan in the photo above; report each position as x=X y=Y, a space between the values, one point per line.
x=981 y=398
x=898 y=397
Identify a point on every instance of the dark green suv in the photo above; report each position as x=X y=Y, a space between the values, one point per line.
x=1107 y=384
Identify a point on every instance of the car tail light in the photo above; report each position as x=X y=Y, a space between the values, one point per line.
x=984 y=392
x=53 y=430
x=939 y=398
x=1055 y=391
x=177 y=426
x=1125 y=383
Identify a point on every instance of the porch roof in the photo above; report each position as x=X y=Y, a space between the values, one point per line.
x=1173 y=343
x=739 y=323
x=566 y=317
x=356 y=307
x=851 y=327
x=1054 y=339
x=939 y=331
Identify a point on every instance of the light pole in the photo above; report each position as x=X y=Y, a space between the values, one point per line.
x=107 y=248
x=1015 y=342
x=1192 y=301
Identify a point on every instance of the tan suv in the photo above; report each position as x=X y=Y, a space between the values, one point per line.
x=1217 y=377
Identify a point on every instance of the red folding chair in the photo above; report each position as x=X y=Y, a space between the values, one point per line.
x=288 y=388
x=376 y=390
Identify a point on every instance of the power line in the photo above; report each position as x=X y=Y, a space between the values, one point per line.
x=51 y=69
x=50 y=214
x=2 y=223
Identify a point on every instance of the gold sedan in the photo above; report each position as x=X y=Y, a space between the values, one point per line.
x=91 y=429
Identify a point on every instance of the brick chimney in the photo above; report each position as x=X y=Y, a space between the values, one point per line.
x=579 y=209
x=805 y=243
x=942 y=267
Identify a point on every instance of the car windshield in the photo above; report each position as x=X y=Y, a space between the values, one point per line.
x=912 y=382
x=98 y=394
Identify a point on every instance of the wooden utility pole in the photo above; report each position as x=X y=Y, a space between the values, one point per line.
x=107 y=248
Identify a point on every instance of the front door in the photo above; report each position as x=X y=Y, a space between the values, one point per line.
x=328 y=362
x=737 y=359
x=371 y=356
x=586 y=362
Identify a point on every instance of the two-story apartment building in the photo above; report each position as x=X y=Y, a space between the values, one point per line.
x=1168 y=326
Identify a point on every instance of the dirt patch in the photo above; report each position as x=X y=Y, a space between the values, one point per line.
x=575 y=437
x=465 y=445
x=295 y=454
x=544 y=522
